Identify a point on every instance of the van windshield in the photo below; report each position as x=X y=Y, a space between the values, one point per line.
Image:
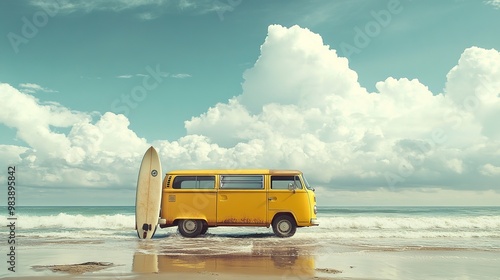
x=307 y=184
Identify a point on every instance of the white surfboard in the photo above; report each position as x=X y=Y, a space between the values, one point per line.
x=148 y=196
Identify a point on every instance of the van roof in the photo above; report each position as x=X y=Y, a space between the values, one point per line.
x=235 y=171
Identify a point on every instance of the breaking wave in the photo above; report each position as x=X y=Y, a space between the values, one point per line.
x=67 y=221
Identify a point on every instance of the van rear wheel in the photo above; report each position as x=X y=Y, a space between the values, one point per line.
x=284 y=226
x=190 y=228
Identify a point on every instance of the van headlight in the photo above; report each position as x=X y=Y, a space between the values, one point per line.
x=315 y=209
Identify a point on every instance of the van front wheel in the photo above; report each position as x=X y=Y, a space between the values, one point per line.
x=204 y=229
x=284 y=226
x=190 y=228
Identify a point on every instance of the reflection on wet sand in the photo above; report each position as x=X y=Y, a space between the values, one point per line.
x=145 y=263
x=262 y=260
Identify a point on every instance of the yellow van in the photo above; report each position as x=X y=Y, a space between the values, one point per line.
x=195 y=200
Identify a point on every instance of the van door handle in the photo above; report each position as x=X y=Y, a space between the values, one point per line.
x=272 y=198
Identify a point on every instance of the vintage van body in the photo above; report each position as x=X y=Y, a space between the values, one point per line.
x=195 y=200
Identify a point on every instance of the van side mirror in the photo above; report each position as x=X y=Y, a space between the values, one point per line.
x=292 y=187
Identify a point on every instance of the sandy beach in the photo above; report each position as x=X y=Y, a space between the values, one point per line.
x=350 y=243
x=250 y=256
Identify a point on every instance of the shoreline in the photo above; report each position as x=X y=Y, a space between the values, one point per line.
x=263 y=257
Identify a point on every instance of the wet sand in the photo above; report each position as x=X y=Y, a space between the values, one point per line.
x=244 y=257
x=78 y=268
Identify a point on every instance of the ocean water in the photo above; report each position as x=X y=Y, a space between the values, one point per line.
x=379 y=227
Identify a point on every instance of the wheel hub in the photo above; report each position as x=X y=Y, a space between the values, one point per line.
x=190 y=225
x=284 y=226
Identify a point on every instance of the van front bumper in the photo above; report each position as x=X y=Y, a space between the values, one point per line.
x=314 y=222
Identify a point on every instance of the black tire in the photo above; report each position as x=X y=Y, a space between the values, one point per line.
x=204 y=228
x=284 y=226
x=190 y=228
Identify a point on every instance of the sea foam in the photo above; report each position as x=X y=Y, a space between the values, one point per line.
x=63 y=220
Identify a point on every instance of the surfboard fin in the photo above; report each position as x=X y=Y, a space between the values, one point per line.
x=145 y=227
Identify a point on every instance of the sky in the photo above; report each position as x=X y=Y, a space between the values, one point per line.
x=384 y=102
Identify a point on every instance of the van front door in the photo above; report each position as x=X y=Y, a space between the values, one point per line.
x=287 y=194
x=241 y=200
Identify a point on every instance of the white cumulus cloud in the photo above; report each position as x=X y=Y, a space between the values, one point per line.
x=301 y=107
x=88 y=154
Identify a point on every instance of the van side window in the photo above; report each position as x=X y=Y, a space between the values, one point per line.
x=194 y=182
x=282 y=182
x=251 y=182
